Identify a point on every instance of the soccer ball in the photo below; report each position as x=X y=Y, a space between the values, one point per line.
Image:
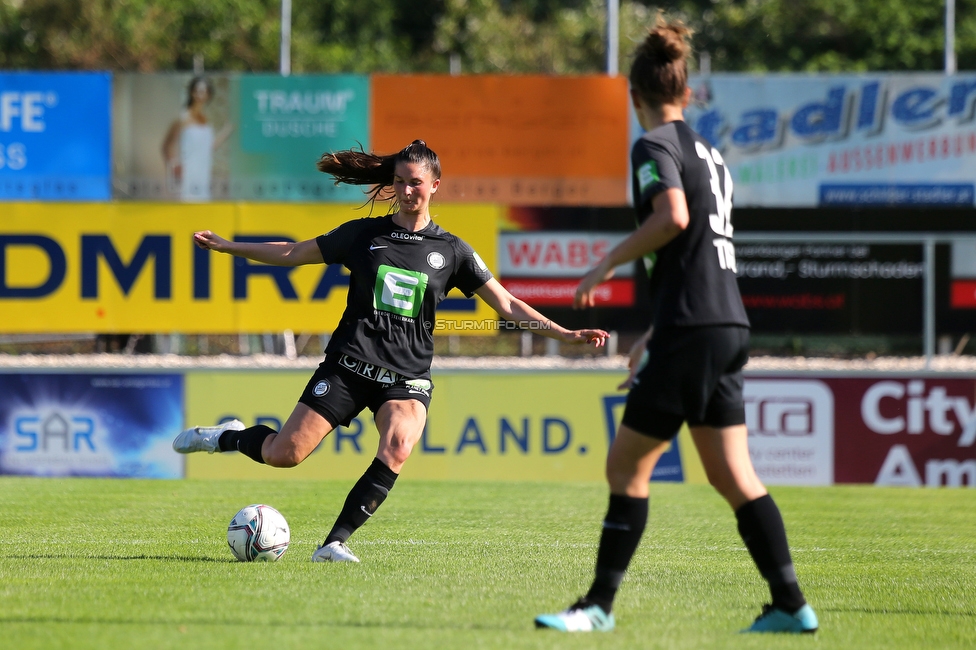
x=258 y=533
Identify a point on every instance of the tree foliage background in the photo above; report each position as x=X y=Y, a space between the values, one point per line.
x=511 y=36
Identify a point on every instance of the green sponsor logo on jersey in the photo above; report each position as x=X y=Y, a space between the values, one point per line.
x=647 y=174
x=399 y=291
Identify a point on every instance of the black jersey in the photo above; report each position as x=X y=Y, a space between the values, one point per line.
x=397 y=278
x=694 y=278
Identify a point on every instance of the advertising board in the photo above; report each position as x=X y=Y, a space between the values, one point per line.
x=86 y=424
x=791 y=430
x=904 y=430
x=55 y=136
x=810 y=429
x=963 y=274
x=831 y=288
x=515 y=139
x=252 y=137
x=133 y=267
x=544 y=267
x=482 y=426
x=842 y=139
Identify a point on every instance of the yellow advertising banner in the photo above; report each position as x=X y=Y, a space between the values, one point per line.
x=482 y=426
x=133 y=267
x=514 y=139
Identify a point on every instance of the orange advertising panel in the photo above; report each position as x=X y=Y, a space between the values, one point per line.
x=521 y=140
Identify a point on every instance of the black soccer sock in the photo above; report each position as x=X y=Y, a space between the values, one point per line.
x=622 y=530
x=761 y=528
x=248 y=441
x=363 y=500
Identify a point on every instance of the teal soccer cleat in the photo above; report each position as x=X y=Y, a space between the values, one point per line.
x=773 y=619
x=579 y=617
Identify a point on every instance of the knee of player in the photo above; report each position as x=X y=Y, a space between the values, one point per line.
x=398 y=451
x=282 y=458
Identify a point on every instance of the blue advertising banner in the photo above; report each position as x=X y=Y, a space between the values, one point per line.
x=55 y=136
x=110 y=425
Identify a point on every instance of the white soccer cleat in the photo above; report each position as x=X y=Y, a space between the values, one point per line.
x=334 y=552
x=204 y=438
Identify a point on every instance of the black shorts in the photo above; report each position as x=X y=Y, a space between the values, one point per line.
x=343 y=386
x=693 y=375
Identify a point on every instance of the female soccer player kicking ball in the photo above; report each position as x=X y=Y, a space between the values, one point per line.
x=401 y=266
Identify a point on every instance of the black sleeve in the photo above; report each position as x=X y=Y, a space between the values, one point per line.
x=337 y=242
x=470 y=271
x=655 y=170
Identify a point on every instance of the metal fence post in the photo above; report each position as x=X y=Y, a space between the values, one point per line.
x=929 y=301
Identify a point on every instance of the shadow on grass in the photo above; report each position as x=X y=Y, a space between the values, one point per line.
x=242 y=623
x=173 y=558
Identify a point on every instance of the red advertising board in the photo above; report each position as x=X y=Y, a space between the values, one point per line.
x=552 y=254
x=907 y=430
x=545 y=292
x=963 y=294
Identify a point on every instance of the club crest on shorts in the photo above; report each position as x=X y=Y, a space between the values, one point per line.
x=321 y=388
x=436 y=260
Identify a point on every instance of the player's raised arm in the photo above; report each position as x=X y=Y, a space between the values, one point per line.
x=279 y=253
x=667 y=221
x=511 y=308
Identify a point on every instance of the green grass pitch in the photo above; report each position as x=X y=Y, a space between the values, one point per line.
x=123 y=563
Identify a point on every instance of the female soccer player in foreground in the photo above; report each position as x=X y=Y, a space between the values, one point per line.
x=683 y=194
x=401 y=266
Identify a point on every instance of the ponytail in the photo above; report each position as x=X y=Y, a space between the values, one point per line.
x=356 y=167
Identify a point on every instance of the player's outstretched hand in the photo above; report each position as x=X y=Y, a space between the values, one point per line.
x=597 y=337
x=635 y=361
x=210 y=241
x=586 y=291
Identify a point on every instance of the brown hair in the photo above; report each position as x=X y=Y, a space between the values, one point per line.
x=356 y=167
x=193 y=84
x=659 y=73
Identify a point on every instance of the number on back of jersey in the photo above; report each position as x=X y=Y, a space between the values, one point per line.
x=720 y=220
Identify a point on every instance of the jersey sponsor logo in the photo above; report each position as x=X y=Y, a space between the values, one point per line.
x=399 y=291
x=436 y=260
x=378 y=374
x=374 y=247
x=409 y=236
x=647 y=174
x=321 y=388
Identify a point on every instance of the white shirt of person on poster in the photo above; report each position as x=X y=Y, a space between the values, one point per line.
x=189 y=145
